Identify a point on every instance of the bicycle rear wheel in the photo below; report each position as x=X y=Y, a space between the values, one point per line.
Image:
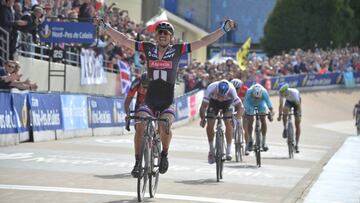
x=219 y=154
x=143 y=172
x=155 y=163
x=290 y=136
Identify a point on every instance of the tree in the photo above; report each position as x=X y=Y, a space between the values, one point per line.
x=302 y=24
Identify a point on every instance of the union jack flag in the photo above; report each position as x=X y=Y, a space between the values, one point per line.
x=124 y=78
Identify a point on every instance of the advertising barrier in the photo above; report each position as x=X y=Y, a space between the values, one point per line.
x=182 y=108
x=45 y=111
x=21 y=109
x=119 y=112
x=100 y=112
x=8 y=120
x=308 y=80
x=74 y=112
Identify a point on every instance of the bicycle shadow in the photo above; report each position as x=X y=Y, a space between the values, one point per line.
x=115 y=176
x=244 y=166
x=208 y=181
x=276 y=158
x=132 y=200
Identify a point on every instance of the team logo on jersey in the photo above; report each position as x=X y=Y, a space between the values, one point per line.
x=160 y=64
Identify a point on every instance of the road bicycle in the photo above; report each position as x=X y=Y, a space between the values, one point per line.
x=238 y=140
x=149 y=161
x=289 y=132
x=219 y=145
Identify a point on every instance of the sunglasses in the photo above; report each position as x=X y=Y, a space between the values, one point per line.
x=164 y=32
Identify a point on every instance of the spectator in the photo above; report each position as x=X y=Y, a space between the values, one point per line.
x=86 y=12
x=10 y=78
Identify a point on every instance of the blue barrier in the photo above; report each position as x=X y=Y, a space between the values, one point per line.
x=8 y=120
x=21 y=109
x=45 y=111
x=74 y=112
x=308 y=80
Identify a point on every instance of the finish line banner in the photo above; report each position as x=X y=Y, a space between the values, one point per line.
x=67 y=32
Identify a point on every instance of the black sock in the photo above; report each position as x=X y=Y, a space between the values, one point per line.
x=164 y=153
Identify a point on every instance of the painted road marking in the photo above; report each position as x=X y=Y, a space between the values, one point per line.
x=116 y=193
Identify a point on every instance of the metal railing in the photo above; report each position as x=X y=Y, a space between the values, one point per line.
x=4 y=46
x=26 y=48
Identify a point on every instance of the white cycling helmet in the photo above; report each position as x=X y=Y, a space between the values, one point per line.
x=257 y=91
x=237 y=83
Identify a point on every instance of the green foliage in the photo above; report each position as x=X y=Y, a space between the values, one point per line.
x=306 y=24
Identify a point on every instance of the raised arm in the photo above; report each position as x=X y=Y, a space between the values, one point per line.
x=227 y=26
x=116 y=36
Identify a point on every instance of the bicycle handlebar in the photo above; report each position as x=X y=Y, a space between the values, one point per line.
x=148 y=118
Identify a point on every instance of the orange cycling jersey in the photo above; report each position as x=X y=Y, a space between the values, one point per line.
x=136 y=87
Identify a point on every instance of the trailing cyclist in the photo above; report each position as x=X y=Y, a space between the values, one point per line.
x=162 y=59
x=292 y=100
x=256 y=96
x=356 y=113
x=220 y=95
x=138 y=87
x=240 y=87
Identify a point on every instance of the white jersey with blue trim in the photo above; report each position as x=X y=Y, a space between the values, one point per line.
x=293 y=95
x=212 y=92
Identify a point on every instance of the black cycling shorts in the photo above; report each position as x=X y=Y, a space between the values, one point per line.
x=215 y=106
x=290 y=104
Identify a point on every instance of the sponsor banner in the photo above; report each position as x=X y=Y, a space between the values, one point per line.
x=8 y=120
x=100 y=111
x=192 y=105
x=74 y=112
x=349 y=80
x=67 y=32
x=21 y=109
x=92 y=71
x=119 y=112
x=309 y=80
x=356 y=76
x=45 y=111
x=182 y=108
x=293 y=81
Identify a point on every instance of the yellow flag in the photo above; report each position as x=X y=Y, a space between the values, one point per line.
x=241 y=55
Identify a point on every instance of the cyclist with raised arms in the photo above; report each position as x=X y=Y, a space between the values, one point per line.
x=256 y=96
x=292 y=100
x=220 y=95
x=162 y=58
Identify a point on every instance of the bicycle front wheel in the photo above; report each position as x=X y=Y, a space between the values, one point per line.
x=238 y=145
x=219 y=154
x=290 y=136
x=155 y=163
x=143 y=172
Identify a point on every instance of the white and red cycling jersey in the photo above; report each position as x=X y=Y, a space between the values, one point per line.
x=213 y=93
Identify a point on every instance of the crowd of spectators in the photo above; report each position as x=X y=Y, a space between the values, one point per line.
x=28 y=14
x=198 y=75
